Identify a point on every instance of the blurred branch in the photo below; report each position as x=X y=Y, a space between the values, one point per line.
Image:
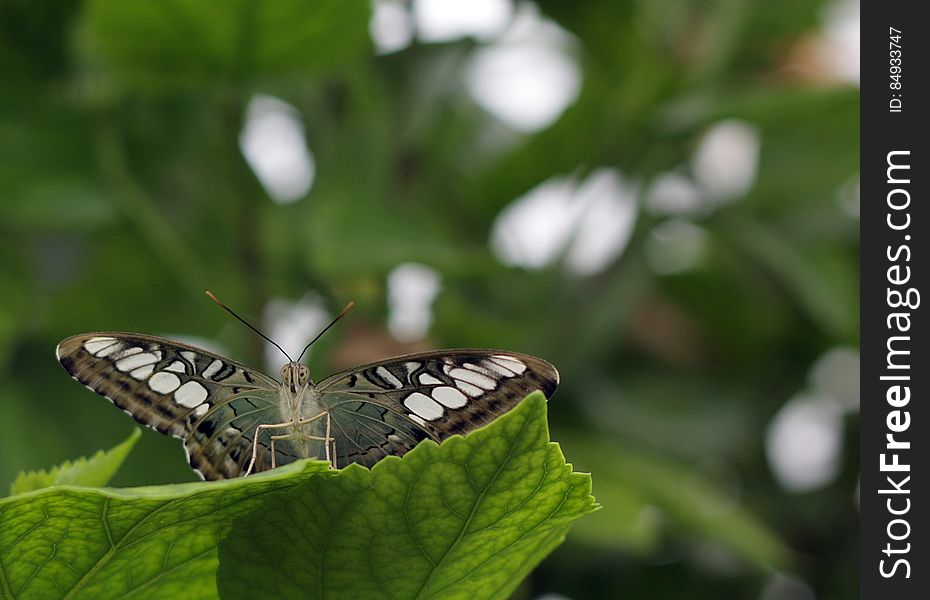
x=647 y=497
x=244 y=187
x=141 y=212
x=816 y=289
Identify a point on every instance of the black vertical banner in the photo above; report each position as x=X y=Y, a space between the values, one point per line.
x=895 y=371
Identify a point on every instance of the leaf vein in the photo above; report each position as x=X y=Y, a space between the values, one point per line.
x=481 y=495
x=409 y=521
x=104 y=518
x=142 y=585
x=105 y=558
x=505 y=548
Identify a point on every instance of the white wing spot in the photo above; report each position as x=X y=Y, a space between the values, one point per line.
x=482 y=381
x=411 y=366
x=164 y=383
x=423 y=406
x=427 y=379
x=191 y=394
x=478 y=369
x=109 y=350
x=472 y=390
x=450 y=397
x=509 y=362
x=213 y=369
x=190 y=356
x=201 y=410
x=417 y=420
x=96 y=344
x=389 y=377
x=177 y=366
x=142 y=373
x=135 y=361
x=127 y=352
x=497 y=368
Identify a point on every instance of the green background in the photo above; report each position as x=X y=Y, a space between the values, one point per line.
x=124 y=194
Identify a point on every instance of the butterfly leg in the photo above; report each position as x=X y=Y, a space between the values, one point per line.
x=258 y=431
x=291 y=436
x=328 y=438
x=330 y=453
x=330 y=456
x=329 y=429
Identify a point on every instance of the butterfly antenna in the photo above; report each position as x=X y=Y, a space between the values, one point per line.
x=333 y=322
x=249 y=325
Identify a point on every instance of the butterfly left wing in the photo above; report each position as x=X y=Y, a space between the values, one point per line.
x=212 y=403
x=389 y=406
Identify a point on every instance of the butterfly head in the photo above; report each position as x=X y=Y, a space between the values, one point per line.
x=295 y=376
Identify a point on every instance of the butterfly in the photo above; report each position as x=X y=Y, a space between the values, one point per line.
x=235 y=420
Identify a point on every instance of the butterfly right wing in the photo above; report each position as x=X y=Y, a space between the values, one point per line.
x=388 y=407
x=366 y=432
x=212 y=403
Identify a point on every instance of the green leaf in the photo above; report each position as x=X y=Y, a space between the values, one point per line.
x=165 y=45
x=91 y=472
x=465 y=519
x=151 y=542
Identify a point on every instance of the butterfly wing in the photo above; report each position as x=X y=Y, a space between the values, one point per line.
x=388 y=407
x=212 y=403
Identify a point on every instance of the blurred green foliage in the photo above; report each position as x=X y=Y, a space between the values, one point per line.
x=125 y=194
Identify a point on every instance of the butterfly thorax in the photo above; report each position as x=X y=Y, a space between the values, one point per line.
x=295 y=381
